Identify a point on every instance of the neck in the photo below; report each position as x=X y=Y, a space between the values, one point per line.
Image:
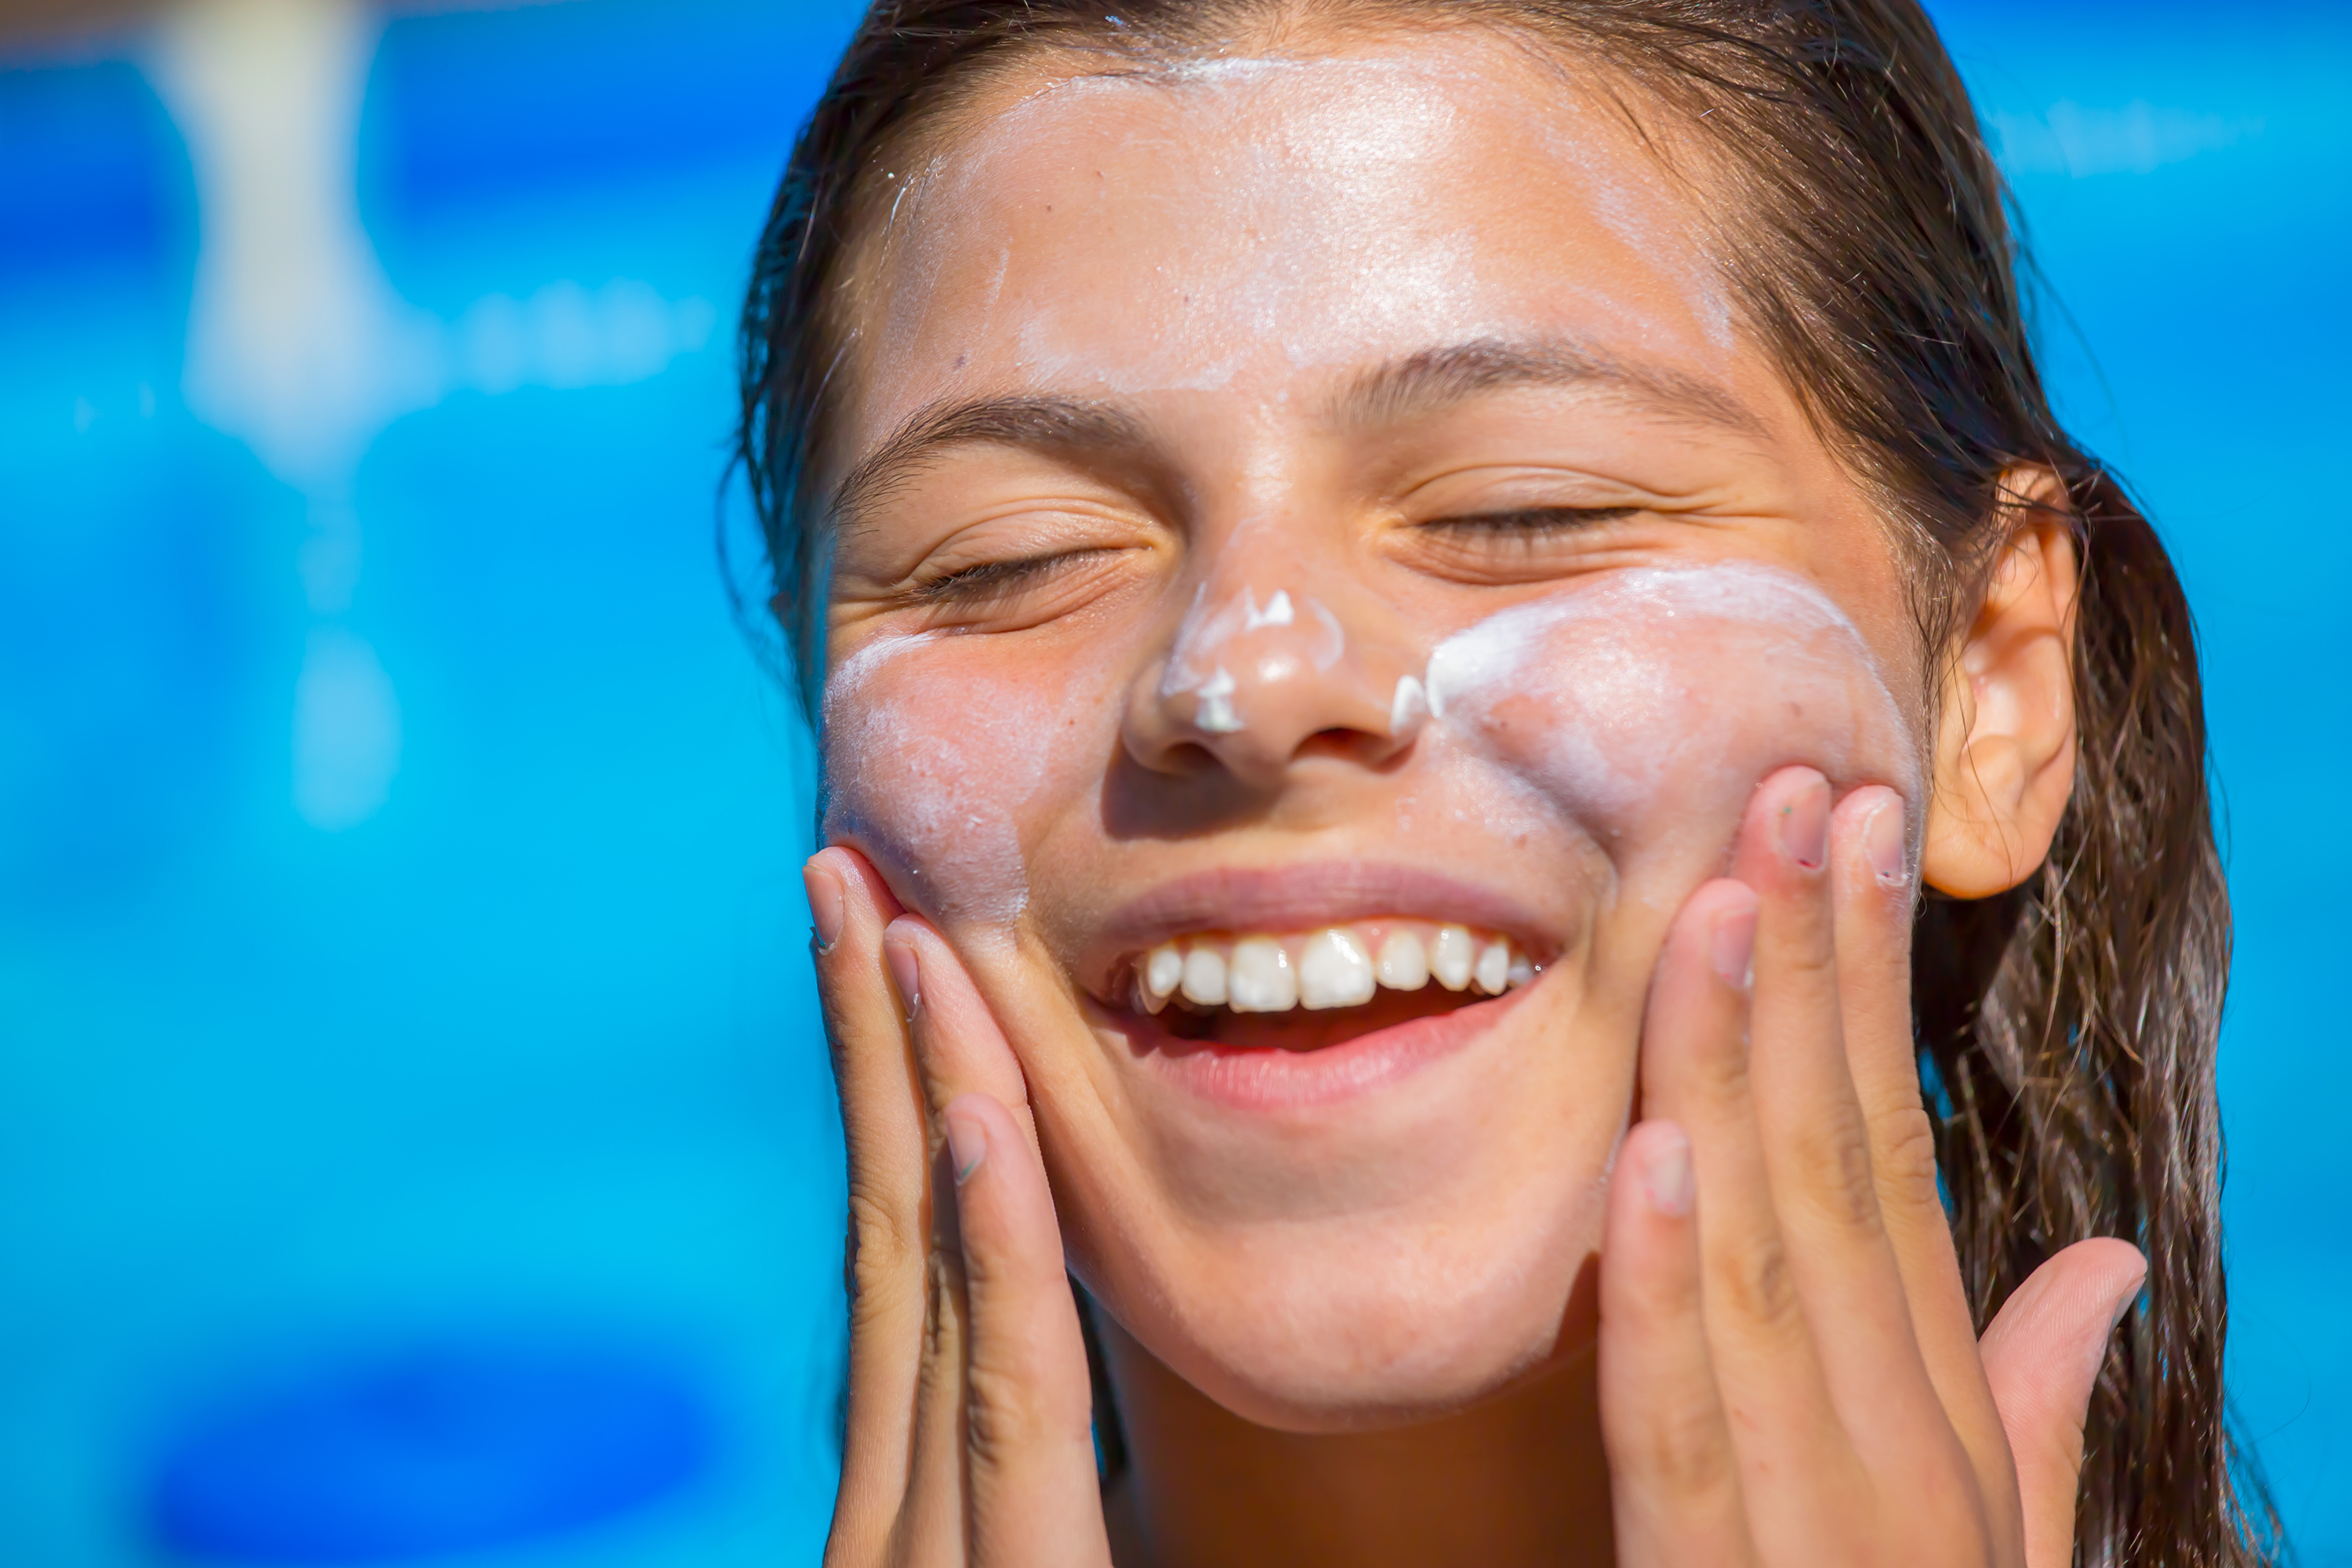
x=1517 y=1480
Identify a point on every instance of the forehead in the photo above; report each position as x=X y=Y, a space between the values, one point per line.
x=1249 y=227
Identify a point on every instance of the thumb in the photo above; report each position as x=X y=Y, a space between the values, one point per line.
x=2041 y=1356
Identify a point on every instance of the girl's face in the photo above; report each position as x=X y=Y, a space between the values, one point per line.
x=1321 y=566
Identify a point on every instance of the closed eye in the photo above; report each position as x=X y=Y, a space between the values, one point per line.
x=1529 y=522
x=990 y=579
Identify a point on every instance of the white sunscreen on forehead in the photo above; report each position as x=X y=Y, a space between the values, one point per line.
x=1304 y=214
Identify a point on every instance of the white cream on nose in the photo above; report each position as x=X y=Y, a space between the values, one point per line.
x=1270 y=643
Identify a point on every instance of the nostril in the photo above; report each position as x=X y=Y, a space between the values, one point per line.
x=1349 y=745
x=1187 y=757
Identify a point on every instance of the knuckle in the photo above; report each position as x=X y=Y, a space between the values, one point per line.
x=1837 y=1175
x=1907 y=1152
x=1685 y=1453
x=1806 y=950
x=1012 y=1410
x=1721 y=1061
x=888 y=1236
x=883 y=1249
x=1811 y=963
x=945 y=1320
x=1003 y=1414
x=1755 y=1284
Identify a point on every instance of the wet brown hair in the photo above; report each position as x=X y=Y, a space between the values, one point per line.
x=2066 y=1030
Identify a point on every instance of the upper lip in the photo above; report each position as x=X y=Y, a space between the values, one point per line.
x=1296 y=899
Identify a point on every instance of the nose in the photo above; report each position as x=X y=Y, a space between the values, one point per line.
x=1261 y=675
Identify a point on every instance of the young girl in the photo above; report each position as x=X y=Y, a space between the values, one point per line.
x=1487 y=761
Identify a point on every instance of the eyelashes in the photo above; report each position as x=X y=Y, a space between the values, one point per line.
x=1527 y=525
x=994 y=582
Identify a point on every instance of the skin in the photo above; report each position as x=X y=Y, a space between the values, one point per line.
x=1126 y=355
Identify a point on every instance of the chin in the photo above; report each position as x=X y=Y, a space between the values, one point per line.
x=1371 y=1327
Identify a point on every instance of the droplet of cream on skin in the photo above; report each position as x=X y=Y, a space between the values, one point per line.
x=1215 y=699
x=1277 y=611
x=1409 y=707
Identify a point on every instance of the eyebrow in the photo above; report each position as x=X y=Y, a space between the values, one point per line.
x=1434 y=379
x=1046 y=423
x=1415 y=387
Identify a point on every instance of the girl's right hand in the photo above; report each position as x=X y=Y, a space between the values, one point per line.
x=971 y=1437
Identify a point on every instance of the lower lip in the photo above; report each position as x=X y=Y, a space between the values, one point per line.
x=1271 y=1079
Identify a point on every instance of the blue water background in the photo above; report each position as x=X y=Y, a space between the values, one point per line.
x=514 y=1034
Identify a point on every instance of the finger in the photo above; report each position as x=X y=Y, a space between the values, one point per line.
x=959 y=1049
x=1695 y=1072
x=1004 y=1437
x=1873 y=891
x=882 y=1127
x=1817 y=1143
x=2041 y=1356
x=1029 y=1423
x=1673 y=1473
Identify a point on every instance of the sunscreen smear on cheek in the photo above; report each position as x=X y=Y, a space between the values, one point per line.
x=930 y=767
x=1646 y=704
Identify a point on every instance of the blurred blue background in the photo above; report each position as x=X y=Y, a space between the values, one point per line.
x=401 y=948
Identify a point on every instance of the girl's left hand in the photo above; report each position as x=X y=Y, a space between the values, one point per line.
x=1788 y=1374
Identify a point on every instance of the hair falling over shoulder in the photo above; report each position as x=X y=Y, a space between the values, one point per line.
x=2066 y=1030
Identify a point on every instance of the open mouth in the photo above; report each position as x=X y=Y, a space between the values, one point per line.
x=1308 y=991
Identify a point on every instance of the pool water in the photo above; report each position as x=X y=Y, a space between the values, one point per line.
x=400 y=942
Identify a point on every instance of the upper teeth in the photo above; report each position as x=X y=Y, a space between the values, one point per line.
x=1339 y=966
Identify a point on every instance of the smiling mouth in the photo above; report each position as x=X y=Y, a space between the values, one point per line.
x=1308 y=990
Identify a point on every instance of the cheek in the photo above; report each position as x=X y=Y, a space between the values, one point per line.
x=944 y=774
x=1646 y=712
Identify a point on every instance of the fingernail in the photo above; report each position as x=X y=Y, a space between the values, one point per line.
x=1666 y=1171
x=1805 y=824
x=906 y=971
x=1733 y=942
x=966 y=1144
x=827 y=901
x=1882 y=836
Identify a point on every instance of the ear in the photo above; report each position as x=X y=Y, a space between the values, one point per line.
x=2005 y=740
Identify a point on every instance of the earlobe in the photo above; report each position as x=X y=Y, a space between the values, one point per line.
x=2005 y=743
